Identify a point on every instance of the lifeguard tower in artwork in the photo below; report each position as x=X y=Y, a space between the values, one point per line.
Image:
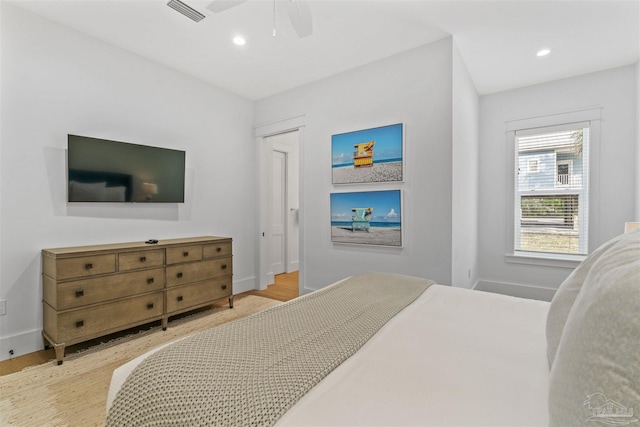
x=363 y=156
x=361 y=219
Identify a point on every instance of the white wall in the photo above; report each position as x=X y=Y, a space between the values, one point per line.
x=414 y=88
x=56 y=81
x=614 y=186
x=466 y=111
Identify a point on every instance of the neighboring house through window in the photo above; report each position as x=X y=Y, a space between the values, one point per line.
x=551 y=190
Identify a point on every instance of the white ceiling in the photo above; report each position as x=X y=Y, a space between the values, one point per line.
x=497 y=39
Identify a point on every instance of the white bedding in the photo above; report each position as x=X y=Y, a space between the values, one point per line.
x=455 y=357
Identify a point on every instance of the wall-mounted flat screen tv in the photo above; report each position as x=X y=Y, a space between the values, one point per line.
x=100 y=170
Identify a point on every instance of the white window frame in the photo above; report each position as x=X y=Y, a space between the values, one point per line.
x=569 y=164
x=591 y=115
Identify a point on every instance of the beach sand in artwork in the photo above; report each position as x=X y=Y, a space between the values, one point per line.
x=384 y=236
x=379 y=172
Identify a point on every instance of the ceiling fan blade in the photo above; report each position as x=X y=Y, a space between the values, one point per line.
x=300 y=17
x=222 y=5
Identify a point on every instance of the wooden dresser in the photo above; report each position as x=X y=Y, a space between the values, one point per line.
x=91 y=291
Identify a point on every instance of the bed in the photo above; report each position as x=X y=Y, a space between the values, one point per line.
x=446 y=357
x=98 y=186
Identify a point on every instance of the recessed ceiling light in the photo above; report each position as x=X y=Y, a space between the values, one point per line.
x=543 y=52
x=239 y=40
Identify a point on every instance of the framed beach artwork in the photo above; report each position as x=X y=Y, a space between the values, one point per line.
x=367 y=218
x=368 y=155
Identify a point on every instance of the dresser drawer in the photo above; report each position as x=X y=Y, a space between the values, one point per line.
x=199 y=293
x=216 y=250
x=93 y=320
x=90 y=291
x=184 y=254
x=141 y=259
x=194 y=272
x=86 y=266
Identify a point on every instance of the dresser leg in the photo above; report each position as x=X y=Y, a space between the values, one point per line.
x=165 y=321
x=231 y=301
x=59 y=349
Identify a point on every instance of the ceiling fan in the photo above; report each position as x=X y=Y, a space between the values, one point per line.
x=299 y=13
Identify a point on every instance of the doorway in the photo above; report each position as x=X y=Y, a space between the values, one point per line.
x=284 y=227
x=265 y=134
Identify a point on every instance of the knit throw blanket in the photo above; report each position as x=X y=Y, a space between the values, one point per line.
x=251 y=371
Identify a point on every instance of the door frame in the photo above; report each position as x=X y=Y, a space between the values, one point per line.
x=264 y=149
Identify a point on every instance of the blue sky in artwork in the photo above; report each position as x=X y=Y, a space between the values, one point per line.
x=385 y=204
x=388 y=144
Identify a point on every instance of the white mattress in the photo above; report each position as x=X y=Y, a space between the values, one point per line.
x=455 y=357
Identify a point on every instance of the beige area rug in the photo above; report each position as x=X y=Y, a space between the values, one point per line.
x=75 y=393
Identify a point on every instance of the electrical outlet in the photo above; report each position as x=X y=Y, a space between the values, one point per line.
x=3 y=307
x=10 y=352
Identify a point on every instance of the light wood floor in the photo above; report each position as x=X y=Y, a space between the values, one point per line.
x=285 y=288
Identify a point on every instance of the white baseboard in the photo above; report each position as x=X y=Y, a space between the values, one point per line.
x=516 y=290
x=244 y=285
x=24 y=343
x=268 y=279
x=293 y=266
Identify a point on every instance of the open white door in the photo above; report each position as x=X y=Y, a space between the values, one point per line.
x=278 y=213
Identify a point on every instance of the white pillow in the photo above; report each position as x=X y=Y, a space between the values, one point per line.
x=82 y=191
x=566 y=295
x=596 y=372
x=115 y=194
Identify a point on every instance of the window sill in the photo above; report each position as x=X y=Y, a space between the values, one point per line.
x=546 y=260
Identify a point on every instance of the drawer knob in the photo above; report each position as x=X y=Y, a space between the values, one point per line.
x=218 y=249
x=150 y=280
x=224 y=287
x=88 y=266
x=79 y=294
x=185 y=253
x=179 y=298
x=143 y=258
x=179 y=275
x=223 y=266
x=79 y=323
x=150 y=306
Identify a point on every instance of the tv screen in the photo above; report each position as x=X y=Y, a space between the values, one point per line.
x=99 y=170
